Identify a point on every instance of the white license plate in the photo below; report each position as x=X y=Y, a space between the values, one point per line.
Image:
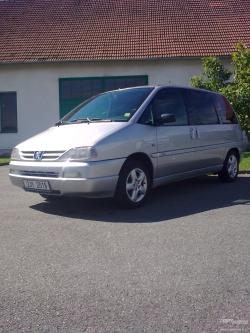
x=36 y=185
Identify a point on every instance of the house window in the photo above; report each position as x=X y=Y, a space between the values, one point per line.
x=74 y=91
x=8 y=112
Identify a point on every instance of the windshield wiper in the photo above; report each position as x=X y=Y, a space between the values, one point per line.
x=60 y=122
x=81 y=120
x=100 y=119
x=90 y=120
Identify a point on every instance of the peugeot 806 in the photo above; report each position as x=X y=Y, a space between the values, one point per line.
x=122 y=143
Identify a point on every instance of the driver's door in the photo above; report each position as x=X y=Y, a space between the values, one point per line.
x=175 y=140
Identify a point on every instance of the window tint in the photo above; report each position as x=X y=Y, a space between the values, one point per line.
x=170 y=101
x=119 y=105
x=225 y=110
x=8 y=112
x=201 y=108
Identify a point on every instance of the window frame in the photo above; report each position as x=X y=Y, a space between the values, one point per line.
x=16 y=117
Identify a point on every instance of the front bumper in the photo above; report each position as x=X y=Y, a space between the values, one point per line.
x=93 y=179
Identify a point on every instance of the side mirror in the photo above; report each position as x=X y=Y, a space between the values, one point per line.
x=166 y=118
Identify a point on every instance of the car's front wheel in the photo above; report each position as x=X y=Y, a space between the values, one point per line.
x=133 y=184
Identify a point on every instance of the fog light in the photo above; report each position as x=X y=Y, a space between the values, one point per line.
x=72 y=174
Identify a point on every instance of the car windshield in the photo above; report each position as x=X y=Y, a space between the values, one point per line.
x=119 y=105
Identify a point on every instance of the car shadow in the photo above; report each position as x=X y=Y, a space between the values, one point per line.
x=165 y=203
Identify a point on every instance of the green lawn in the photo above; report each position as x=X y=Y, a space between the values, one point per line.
x=4 y=160
x=244 y=165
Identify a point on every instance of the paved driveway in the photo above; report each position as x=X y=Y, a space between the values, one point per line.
x=179 y=264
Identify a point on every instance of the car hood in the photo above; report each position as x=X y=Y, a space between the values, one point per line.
x=65 y=137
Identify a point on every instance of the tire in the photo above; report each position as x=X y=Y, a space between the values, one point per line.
x=133 y=185
x=230 y=170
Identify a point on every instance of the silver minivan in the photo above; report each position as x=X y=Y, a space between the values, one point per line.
x=122 y=143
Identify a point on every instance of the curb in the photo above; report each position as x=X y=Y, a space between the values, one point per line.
x=246 y=172
x=3 y=164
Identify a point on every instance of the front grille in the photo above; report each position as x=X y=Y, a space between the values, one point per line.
x=45 y=174
x=46 y=156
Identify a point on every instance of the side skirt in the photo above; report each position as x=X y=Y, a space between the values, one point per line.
x=185 y=175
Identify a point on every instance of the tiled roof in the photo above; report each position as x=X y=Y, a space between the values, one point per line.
x=82 y=30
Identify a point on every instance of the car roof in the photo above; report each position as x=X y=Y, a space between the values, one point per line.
x=158 y=87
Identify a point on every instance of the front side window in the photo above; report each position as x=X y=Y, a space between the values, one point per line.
x=201 y=108
x=8 y=112
x=166 y=101
x=118 y=105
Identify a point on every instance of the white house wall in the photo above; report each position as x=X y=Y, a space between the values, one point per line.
x=37 y=87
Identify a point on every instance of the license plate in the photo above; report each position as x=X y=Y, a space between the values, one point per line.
x=36 y=185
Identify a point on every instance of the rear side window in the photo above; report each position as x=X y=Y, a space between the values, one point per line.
x=224 y=110
x=201 y=108
x=170 y=101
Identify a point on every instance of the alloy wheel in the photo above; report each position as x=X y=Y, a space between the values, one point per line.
x=136 y=185
x=232 y=166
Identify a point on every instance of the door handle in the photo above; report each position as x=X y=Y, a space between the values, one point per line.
x=194 y=133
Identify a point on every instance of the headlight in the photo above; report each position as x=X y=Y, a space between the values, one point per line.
x=15 y=155
x=79 y=154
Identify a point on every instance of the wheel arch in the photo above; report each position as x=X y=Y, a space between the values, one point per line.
x=236 y=150
x=143 y=158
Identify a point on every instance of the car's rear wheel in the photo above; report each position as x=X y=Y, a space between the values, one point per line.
x=230 y=170
x=133 y=184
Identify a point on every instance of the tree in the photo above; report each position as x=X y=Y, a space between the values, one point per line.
x=215 y=77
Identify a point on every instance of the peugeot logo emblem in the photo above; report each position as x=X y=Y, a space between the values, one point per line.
x=38 y=155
